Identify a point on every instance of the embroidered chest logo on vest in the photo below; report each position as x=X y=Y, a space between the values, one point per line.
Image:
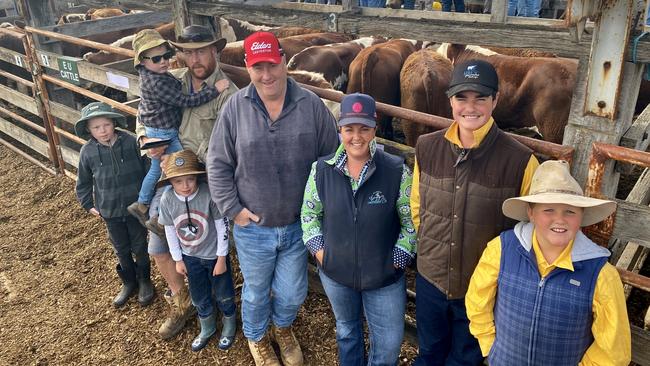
x=376 y=198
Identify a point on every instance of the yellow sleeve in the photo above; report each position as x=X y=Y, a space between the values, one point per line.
x=611 y=327
x=415 y=196
x=481 y=296
x=528 y=175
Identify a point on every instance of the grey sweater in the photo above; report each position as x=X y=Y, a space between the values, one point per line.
x=263 y=165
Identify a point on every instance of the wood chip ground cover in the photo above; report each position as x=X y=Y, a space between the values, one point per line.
x=57 y=280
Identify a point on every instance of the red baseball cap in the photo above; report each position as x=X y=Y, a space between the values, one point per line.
x=262 y=47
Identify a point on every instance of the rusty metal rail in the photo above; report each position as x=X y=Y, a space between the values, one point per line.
x=23 y=120
x=81 y=42
x=27 y=156
x=119 y=106
x=555 y=151
x=602 y=232
x=17 y=79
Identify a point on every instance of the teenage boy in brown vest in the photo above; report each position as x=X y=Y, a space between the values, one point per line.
x=461 y=177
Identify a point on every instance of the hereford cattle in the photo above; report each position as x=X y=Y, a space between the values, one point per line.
x=424 y=79
x=534 y=91
x=91 y=14
x=167 y=31
x=376 y=71
x=234 y=30
x=240 y=77
x=332 y=60
x=233 y=54
x=101 y=13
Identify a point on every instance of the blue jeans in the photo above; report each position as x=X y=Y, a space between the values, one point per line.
x=384 y=310
x=150 y=180
x=207 y=289
x=524 y=8
x=409 y=4
x=443 y=329
x=459 y=5
x=373 y=3
x=129 y=240
x=273 y=261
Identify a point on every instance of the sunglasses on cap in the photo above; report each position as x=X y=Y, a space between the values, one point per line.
x=195 y=37
x=156 y=59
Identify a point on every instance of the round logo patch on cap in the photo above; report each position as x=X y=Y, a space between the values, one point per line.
x=179 y=161
x=357 y=107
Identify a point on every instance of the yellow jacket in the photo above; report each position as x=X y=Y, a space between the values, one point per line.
x=610 y=327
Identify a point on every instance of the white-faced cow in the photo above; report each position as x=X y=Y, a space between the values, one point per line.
x=533 y=91
x=332 y=60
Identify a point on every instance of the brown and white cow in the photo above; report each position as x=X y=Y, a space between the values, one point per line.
x=167 y=31
x=424 y=79
x=332 y=60
x=234 y=30
x=376 y=71
x=233 y=54
x=91 y=14
x=533 y=91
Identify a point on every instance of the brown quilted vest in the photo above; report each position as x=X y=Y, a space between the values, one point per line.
x=460 y=207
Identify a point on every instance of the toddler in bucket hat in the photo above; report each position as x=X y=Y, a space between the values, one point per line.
x=161 y=107
x=545 y=277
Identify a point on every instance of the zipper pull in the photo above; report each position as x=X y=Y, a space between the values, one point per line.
x=355 y=214
x=541 y=282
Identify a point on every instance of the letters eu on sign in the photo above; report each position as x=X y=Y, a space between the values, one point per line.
x=68 y=69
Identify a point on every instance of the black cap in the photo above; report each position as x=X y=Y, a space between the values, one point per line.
x=474 y=75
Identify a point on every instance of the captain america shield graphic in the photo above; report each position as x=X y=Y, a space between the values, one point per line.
x=194 y=232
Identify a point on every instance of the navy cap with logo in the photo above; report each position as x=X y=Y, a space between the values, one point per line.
x=358 y=108
x=474 y=75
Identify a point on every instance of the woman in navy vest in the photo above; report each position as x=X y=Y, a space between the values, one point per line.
x=356 y=222
x=543 y=293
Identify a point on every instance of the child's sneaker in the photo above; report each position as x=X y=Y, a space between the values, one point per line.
x=139 y=211
x=153 y=226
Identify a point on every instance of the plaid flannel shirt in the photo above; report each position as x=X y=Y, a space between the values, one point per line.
x=163 y=99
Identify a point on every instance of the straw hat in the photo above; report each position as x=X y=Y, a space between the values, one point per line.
x=96 y=109
x=553 y=183
x=180 y=163
x=146 y=39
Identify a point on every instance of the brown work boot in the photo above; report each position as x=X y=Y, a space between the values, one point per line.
x=289 y=348
x=263 y=353
x=181 y=311
x=140 y=211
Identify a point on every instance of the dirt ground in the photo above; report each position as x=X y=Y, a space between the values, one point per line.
x=57 y=281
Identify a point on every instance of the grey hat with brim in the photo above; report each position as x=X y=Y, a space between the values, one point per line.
x=93 y=110
x=219 y=44
x=481 y=89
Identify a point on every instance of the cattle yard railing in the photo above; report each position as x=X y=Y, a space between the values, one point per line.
x=58 y=122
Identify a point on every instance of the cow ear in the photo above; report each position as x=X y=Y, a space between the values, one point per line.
x=88 y=17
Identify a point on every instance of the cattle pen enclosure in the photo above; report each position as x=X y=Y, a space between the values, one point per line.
x=601 y=129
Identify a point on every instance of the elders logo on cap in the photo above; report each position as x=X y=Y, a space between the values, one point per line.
x=262 y=47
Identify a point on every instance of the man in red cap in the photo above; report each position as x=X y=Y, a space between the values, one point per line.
x=259 y=158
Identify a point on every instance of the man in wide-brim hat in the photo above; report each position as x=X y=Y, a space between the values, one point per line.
x=543 y=293
x=199 y=50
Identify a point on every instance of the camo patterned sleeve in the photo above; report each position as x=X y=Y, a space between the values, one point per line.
x=405 y=247
x=311 y=215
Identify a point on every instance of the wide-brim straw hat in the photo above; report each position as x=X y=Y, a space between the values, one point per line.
x=93 y=110
x=196 y=36
x=553 y=183
x=180 y=163
x=144 y=40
